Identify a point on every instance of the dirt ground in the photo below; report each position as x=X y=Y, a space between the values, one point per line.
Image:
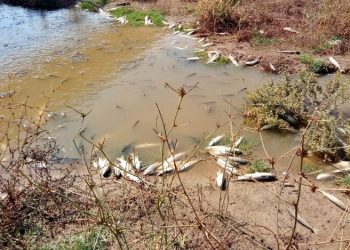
x=236 y=44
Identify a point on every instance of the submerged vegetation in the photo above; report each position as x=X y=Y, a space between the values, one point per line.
x=137 y=17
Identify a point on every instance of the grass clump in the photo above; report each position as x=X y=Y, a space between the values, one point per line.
x=345 y=181
x=314 y=65
x=93 y=5
x=95 y=239
x=246 y=146
x=137 y=17
x=303 y=99
x=261 y=40
x=216 y=15
x=258 y=166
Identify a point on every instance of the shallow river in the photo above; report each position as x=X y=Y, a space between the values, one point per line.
x=117 y=75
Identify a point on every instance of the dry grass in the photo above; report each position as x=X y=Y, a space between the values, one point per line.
x=318 y=22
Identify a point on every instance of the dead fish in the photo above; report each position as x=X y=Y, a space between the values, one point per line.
x=238 y=160
x=342 y=164
x=272 y=67
x=198 y=50
x=134 y=178
x=151 y=169
x=176 y=157
x=117 y=172
x=189 y=33
x=252 y=63
x=238 y=142
x=201 y=40
x=135 y=124
x=167 y=168
x=226 y=165
x=213 y=58
x=257 y=177
x=242 y=90
x=290 y=30
x=190 y=75
x=165 y=23
x=291 y=212
x=207 y=45
x=135 y=161
x=334 y=199
x=216 y=140
x=122 y=20
x=118 y=107
x=127 y=148
x=233 y=60
x=106 y=171
x=176 y=32
x=192 y=59
x=146 y=145
x=182 y=48
x=7 y=94
x=289 y=52
x=188 y=165
x=148 y=21
x=221 y=180
x=222 y=150
x=268 y=126
x=335 y=63
x=332 y=175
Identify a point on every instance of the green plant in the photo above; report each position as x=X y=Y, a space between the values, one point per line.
x=258 y=166
x=137 y=17
x=261 y=40
x=95 y=239
x=93 y=5
x=345 y=181
x=314 y=65
x=246 y=146
x=305 y=98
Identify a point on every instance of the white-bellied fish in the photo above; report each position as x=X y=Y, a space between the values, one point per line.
x=216 y=140
x=334 y=199
x=303 y=222
x=258 y=176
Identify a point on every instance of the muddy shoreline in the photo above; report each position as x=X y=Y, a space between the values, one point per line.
x=271 y=59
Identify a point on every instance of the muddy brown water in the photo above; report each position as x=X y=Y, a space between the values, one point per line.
x=117 y=75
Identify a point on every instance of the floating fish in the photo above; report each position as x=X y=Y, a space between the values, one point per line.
x=216 y=140
x=257 y=177
x=7 y=94
x=190 y=32
x=252 y=63
x=146 y=145
x=192 y=59
x=182 y=48
x=221 y=180
x=206 y=45
x=176 y=32
x=290 y=30
x=151 y=169
x=291 y=212
x=335 y=200
x=233 y=60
